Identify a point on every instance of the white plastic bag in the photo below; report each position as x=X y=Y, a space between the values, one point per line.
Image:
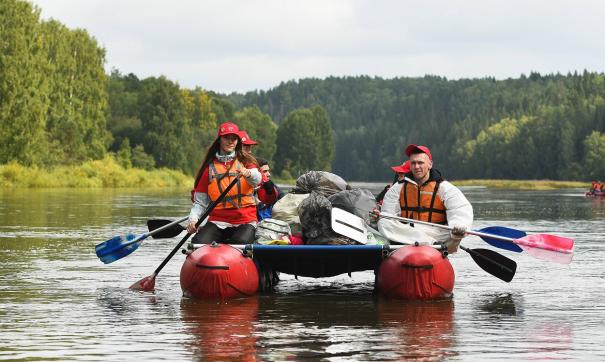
x=286 y=209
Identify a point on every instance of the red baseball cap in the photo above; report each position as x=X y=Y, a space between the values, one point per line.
x=246 y=140
x=412 y=148
x=228 y=128
x=403 y=168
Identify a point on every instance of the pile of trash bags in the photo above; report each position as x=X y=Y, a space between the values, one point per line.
x=307 y=209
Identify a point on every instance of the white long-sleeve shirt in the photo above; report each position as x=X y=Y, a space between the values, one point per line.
x=458 y=210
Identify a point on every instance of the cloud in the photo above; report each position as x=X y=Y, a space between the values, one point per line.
x=245 y=45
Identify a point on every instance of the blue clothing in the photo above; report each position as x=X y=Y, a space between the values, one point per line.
x=264 y=211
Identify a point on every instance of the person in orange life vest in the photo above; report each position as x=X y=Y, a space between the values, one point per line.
x=400 y=172
x=424 y=195
x=234 y=218
x=595 y=187
x=247 y=142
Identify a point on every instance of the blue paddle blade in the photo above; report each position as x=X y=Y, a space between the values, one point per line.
x=506 y=232
x=116 y=248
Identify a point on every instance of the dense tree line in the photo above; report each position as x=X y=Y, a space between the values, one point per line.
x=156 y=123
x=59 y=107
x=536 y=126
x=53 y=96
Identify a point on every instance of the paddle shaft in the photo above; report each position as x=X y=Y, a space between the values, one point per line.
x=199 y=222
x=153 y=232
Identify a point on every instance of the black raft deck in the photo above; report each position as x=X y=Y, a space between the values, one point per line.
x=319 y=261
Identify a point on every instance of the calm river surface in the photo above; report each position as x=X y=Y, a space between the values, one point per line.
x=59 y=302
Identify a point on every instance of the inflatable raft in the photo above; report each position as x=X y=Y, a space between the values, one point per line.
x=404 y=272
x=595 y=194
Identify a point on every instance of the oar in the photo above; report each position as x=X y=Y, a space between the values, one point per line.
x=119 y=246
x=352 y=226
x=166 y=233
x=494 y=263
x=147 y=284
x=552 y=248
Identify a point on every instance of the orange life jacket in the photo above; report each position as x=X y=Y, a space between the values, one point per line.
x=422 y=203
x=219 y=177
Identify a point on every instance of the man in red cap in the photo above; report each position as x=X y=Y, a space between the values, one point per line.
x=247 y=142
x=424 y=195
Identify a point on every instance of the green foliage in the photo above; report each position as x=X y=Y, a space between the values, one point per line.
x=530 y=127
x=260 y=128
x=594 y=157
x=24 y=88
x=124 y=155
x=140 y=159
x=91 y=174
x=52 y=82
x=301 y=139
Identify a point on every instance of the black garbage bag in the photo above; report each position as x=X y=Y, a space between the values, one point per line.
x=315 y=218
x=356 y=201
x=325 y=183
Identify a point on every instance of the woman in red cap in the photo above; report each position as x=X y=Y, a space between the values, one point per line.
x=233 y=219
x=247 y=142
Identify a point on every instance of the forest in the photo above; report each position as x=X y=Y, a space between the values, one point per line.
x=58 y=106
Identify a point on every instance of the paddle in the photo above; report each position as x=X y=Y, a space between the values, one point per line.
x=147 y=284
x=552 y=248
x=118 y=247
x=494 y=263
x=348 y=224
x=166 y=233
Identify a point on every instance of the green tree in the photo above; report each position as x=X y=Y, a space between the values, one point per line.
x=76 y=119
x=594 y=157
x=299 y=142
x=163 y=117
x=261 y=128
x=23 y=84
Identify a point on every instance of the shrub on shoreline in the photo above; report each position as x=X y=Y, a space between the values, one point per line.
x=105 y=173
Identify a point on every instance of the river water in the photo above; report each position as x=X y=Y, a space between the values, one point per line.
x=59 y=302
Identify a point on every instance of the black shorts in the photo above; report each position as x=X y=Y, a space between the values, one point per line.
x=241 y=234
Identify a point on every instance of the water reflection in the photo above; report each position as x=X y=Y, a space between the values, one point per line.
x=221 y=330
x=420 y=329
x=501 y=305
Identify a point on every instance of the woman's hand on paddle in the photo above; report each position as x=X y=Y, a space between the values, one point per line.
x=244 y=172
x=191 y=229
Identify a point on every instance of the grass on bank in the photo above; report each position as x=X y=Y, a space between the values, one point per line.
x=109 y=173
x=92 y=174
x=524 y=184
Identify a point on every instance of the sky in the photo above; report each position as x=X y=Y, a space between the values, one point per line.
x=245 y=45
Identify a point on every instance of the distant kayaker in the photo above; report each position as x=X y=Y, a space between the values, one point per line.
x=233 y=219
x=247 y=142
x=425 y=196
x=268 y=191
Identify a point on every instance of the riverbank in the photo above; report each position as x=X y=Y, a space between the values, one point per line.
x=108 y=173
x=524 y=184
x=105 y=173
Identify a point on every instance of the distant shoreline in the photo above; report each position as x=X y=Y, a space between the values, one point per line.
x=492 y=184
x=108 y=173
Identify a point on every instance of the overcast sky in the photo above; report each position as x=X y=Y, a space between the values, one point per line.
x=233 y=45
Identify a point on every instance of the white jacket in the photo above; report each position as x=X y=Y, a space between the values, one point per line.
x=458 y=210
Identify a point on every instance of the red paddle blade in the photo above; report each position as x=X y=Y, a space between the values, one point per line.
x=554 y=243
x=548 y=255
x=146 y=284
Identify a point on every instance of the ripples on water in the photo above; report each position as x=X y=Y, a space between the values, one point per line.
x=57 y=301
